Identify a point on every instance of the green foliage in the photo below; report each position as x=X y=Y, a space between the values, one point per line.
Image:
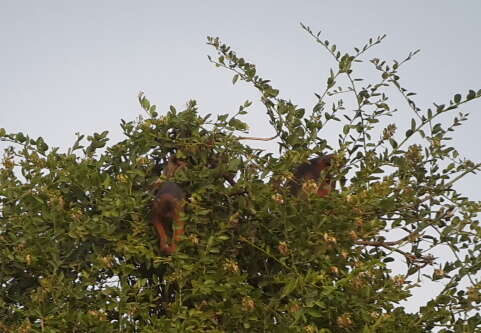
x=78 y=254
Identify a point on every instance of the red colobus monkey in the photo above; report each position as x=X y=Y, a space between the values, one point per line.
x=312 y=169
x=166 y=210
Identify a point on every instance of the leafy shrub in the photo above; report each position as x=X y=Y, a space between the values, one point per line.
x=78 y=254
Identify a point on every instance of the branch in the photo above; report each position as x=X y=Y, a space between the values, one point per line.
x=257 y=138
x=245 y=240
x=411 y=258
x=451 y=182
x=399 y=241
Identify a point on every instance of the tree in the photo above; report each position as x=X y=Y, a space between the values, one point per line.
x=77 y=252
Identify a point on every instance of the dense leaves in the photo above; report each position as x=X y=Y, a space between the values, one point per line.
x=78 y=254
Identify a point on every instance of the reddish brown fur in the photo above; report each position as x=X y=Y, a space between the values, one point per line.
x=312 y=170
x=166 y=210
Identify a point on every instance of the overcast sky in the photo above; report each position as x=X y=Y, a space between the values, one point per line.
x=77 y=66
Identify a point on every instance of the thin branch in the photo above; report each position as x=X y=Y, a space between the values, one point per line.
x=451 y=182
x=245 y=240
x=411 y=258
x=359 y=109
x=257 y=138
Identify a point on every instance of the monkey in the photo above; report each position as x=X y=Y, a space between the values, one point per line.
x=166 y=209
x=312 y=170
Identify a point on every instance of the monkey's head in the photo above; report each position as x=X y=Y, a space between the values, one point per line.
x=322 y=162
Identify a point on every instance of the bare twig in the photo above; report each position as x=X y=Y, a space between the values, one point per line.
x=257 y=138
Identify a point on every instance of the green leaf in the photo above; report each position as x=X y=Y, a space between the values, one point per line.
x=300 y=113
x=393 y=143
x=238 y=124
x=272 y=92
x=20 y=137
x=145 y=104
x=471 y=95
x=222 y=117
x=330 y=82
x=289 y=288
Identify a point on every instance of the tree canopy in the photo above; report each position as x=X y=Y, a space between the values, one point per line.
x=78 y=254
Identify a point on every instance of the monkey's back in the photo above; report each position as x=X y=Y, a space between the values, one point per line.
x=172 y=189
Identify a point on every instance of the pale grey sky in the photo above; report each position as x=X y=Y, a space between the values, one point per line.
x=77 y=66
